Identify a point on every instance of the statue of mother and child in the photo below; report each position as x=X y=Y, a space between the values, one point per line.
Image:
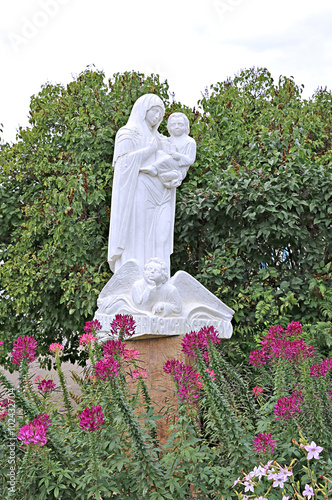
x=148 y=167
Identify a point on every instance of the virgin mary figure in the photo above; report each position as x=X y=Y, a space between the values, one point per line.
x=143 y=209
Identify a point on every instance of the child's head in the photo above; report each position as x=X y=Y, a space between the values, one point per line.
x=178 y=124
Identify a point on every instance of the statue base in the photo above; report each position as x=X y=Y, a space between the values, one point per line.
x=166 y=308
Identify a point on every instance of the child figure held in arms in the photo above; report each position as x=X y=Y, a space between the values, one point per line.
x=177 y=154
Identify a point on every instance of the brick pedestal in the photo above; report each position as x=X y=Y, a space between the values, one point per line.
x=154 y=353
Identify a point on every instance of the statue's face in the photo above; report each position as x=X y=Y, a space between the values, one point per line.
x=153 y=115
x=153 y=272
x=177 y=126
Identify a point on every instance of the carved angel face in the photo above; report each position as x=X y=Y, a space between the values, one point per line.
x=153 y=272
x=153 y=115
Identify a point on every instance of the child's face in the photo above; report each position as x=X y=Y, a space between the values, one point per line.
x=177 y=126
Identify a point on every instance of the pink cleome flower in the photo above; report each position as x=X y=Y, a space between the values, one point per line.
x=186 y=378
x=195 y=342
x=114 y=347
x=24 y=347
x=288 y=406
x=46 y=386
x=294 y=328
x=92 y=419
x=106 y=367
x=139 y=374
x=257 y=390
x=3 y=415
x=321 y=369
x=263 y=441
x=87 y=339
x=123 y=326
x=277 y=344
x=211 y=373
x=131 y=354
x=36 y=431
x=5 y=403
x=92 y=327
x=56 y=347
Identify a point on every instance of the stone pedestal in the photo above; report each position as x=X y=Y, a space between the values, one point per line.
x=154 y=352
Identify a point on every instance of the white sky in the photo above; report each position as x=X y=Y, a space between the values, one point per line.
x=192 y=43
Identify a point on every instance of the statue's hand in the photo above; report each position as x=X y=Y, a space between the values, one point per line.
x=159 y=308
x=175 y=155
x=149 y=169
x=176 y=183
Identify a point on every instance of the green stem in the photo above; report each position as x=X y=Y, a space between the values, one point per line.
x=147 y=400
x=20 y=400
x=63 y=384
x=23 y=372
x=26 y=462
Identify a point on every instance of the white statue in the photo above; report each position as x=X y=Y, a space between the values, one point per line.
x=148 y=168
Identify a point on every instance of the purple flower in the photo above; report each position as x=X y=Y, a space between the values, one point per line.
x=92 y=419
x=92 y=327
x=46 y=386
x=288 y=406
x=24 y=347
x=106 y=367
x=263 y=441
x=123 y=326
x=195 y=342
x=313 y=450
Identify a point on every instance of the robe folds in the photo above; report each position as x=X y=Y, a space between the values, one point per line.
x=143 y=209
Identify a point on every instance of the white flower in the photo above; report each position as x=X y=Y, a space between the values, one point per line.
x=259 y=472
x=308 y=491
x=272 y=475
x=249 y=486
x=313 y=450
x=278 y=482
x=238 y=480
x=284 y=474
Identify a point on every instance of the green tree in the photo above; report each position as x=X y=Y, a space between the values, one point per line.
x=254 y=218
x=55 y=193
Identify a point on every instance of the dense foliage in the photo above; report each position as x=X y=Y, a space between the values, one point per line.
x=104 y=441
x=255 y=213
x=253 y=217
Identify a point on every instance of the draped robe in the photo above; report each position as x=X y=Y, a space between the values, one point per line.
x=143 y=209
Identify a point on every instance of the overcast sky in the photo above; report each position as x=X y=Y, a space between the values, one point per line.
x=192 y=43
